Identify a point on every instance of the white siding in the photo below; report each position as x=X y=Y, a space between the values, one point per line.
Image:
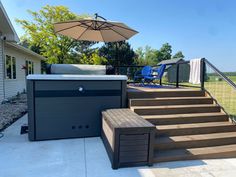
x=12 y=86
x=1 y=71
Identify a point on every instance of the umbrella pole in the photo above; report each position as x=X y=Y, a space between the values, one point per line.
x=117 y=60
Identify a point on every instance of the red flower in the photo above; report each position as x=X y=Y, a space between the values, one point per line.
x=24 y=67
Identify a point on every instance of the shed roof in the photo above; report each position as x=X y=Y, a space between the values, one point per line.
x=170 y=61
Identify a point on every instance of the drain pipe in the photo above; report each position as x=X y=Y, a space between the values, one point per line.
x=3 y=39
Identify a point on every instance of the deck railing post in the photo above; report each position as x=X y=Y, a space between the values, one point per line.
x=128 y=72
x=177 y=75
x=203 y=70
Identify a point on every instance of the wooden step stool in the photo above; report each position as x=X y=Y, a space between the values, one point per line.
x=128 y=138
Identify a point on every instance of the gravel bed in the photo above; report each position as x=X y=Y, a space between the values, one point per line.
x=12 y=110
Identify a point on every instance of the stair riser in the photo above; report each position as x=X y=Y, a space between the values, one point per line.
x=195 y=143
x=231 y=154
x=195 y=131
x=186 y=120
x=169 y=102
x=165 y=94
x=164 y=111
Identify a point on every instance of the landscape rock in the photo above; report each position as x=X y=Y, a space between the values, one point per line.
x=12 y=109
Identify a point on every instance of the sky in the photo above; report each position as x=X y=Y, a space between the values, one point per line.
x=199 y=28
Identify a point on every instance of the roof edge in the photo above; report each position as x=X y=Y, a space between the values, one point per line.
x=17 y=39
x=26 y=50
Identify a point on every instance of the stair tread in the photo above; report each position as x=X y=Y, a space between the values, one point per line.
x=152 y=93
x=171 y=98
x=194 y=125
x=174 y=106
x=183 y=115
x=194 y=151
x=184 y=138
x=145 y=90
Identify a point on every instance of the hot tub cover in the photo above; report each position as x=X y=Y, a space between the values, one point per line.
x=81 y=69
x=75 y=77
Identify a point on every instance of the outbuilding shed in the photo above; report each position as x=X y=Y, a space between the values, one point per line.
x=170 y=72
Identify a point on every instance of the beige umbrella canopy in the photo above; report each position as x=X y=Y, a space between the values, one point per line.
x=98 y=29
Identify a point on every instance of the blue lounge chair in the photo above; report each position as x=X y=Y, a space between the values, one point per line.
x=148 y=74
x=160 y=71
x=145 y=72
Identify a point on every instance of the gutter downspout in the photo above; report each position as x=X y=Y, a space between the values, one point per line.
x=3 y=68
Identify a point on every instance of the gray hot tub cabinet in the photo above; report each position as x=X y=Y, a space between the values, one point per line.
x=70 y=106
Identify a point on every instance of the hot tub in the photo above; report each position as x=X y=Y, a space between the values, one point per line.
x=69 y=106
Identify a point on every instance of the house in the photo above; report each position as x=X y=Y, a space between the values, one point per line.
x=16 y=61
x=170 y=74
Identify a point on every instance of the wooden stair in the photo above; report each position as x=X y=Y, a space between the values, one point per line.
x=195 y=128
x=170 y=101
x=189 y=124
x=186 y=118
x=175 y=109
x=195 y=141
x=225 y=151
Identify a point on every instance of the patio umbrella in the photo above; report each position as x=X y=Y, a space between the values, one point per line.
x=96 y=29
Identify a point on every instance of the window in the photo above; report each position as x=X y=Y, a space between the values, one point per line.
x=29 y=67
x=10 y=67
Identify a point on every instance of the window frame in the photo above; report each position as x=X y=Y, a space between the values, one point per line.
x=29 y=64
x=12 y=69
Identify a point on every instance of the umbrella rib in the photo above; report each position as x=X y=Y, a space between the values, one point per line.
x=72 y=21
x=119 y=33
x=102 y=25
x=84 y=31
x=81 y=23
x=130 y=29
x=69 y=21
x=67 y=28
x=84 y=23
x=102 y=36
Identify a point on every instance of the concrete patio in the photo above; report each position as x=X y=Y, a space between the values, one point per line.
x=86 y=157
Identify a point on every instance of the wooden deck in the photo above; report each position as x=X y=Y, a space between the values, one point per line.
x=132 y=88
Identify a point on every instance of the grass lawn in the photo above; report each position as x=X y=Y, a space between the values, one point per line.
x=233 y=78
x=221 y=91
x=214 y=78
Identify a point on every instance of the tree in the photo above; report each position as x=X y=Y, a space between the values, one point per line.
x=41 y=37
x=93 y=59
x=179 y=54
x=117 y=53
x=165 y=52
x=97 y=59
x=146 y=56
x=140 y=59
x=150 y=56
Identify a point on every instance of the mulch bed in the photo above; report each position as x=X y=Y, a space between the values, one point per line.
x=12 y=110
